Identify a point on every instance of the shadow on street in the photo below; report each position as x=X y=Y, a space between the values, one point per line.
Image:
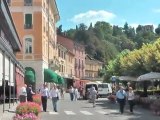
x=139 y=112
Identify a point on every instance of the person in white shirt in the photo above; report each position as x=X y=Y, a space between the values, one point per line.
x=44 y=96
x=130 y=97
x=93 y=96
x=54 y=95
x=71 y=91
x=75 y=93
x=23 y=94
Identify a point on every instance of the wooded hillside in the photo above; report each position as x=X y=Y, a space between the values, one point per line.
x=104 y=41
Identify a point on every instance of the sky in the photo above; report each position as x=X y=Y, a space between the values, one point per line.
x=115 y=12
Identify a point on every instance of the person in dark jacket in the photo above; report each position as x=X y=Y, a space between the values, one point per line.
x=30 y=93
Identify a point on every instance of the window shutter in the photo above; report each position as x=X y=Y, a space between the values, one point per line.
x=28 y=19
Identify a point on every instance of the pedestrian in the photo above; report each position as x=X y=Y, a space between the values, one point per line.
x=76 y=93
x=23 y=94
x=54 y=94
x=71 y=92
x=121 y=98
x=30 y=93
x=62 y=92
x=93 y=96
x=130 y=97
x=44 y=96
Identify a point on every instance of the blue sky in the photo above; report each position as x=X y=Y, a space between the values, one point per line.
x=116 y=12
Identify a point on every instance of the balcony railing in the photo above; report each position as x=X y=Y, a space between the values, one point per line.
x=28 y=26
x=76 y=65
x=28 y=3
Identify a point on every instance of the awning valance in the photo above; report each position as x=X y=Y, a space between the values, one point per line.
x=50 y=76
x=60 y=79
x=29 y=77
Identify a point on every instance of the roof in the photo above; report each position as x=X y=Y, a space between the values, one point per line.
x=90 y=59
x=8 y=26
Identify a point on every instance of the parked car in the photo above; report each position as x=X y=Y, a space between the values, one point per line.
x=104 y=89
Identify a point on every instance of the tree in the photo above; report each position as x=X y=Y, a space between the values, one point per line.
x=157 y=30
x=117 y=30
x=59 y=30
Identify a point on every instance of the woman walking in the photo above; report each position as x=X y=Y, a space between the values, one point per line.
x=130 y=97
x=30 y=93
x=76 y=94
x=54 y=94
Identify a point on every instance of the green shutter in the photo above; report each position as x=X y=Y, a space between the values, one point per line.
x=28 y=19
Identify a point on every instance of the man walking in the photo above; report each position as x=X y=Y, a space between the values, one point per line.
x=121 y=98
x=44 y=96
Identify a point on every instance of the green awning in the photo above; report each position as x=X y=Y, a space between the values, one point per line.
x=50 y=76
x=60 y=79
x=29 y=77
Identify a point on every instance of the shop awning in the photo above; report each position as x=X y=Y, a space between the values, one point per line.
x=50 y=76
x=60 y=79
x=29 y=77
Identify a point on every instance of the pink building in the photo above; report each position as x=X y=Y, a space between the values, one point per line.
x=78 y=50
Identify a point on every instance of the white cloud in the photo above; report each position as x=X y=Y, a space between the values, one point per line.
x=156 y=10
x=93 y=16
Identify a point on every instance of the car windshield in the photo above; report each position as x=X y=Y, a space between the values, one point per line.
x=102 y=86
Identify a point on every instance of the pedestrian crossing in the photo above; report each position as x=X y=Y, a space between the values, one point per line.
x=84 y=112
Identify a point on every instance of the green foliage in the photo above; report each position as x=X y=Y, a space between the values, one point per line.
x=104 y=41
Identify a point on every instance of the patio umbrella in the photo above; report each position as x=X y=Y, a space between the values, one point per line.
x=149 y=76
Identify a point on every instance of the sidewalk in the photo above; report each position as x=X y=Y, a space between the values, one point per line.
x=9 y=112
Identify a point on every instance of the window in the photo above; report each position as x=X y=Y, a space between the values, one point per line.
x=28 y=21
x=59 y=52
x=28 y=45
x=64 y=55
x=27 y=2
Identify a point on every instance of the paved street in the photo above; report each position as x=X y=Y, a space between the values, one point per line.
x=104 y=110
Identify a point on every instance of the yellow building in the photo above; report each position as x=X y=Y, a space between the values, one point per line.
x=66 y=62
x=92 y=68
x=35 y=23
x=62 y=60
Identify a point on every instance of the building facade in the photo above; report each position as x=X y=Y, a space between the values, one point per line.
x=79 y=51
x=11 y=71
x=35 y=22
x=75 y=61
x=92 y=68
x=79 y=55
x=62 y=60
x=70 y=57
x=66 y=65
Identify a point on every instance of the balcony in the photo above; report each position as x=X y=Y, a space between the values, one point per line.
x=53 y=65
x=28 y=26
